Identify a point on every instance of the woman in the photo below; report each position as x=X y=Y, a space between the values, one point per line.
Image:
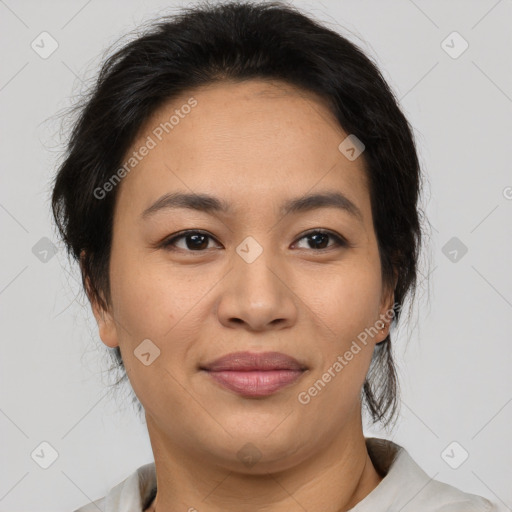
x=241 y=191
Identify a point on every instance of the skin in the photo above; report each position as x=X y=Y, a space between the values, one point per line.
x=255 y=145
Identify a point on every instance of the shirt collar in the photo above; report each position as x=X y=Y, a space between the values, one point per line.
x=139 y=489
x=404 y=486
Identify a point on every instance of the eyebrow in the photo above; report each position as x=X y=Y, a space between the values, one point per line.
x=211 y=204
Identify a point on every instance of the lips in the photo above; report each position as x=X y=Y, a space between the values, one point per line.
x=251 y=361
x=255 y=374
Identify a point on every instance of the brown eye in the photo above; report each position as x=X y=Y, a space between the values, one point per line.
x=319 y=240
x=193 y=241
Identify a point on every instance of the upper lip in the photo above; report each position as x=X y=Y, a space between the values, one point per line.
x=253 y=361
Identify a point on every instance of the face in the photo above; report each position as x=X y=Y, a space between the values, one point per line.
x=197 y=281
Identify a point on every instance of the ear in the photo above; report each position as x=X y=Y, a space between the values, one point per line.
x=386 y=312
x=104 y=318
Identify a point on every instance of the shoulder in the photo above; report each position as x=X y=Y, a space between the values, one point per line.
x=441 y=497
x=406 y=487
x=94 y=506
x=130 y=494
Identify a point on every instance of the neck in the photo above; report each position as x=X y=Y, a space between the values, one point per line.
x=333 y=479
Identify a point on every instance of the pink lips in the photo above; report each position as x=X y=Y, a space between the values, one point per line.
x=255 y=374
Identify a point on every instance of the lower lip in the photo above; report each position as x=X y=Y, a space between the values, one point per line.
x=256 y=383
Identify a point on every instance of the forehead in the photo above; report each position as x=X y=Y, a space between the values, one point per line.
x=251 y=138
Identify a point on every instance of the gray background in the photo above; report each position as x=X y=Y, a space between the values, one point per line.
x=454 y=357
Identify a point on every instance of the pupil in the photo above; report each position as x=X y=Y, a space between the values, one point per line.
x=197 y=242
x=317 y=243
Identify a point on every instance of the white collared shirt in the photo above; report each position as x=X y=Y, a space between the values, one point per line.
x=405 y=488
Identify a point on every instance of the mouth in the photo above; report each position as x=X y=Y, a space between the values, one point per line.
x=255 y=374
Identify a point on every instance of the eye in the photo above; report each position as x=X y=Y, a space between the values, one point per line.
x=193 y=241
x=318 y=239
x=197 y=241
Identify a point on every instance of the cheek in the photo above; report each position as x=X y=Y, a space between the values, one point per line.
x=150 y=305
x=158 y=303
x=152 y=300
x=345 y=308
x=346 y=300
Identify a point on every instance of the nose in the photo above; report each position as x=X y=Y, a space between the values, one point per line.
x=257 y=295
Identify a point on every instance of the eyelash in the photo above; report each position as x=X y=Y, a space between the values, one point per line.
x=168 y=244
